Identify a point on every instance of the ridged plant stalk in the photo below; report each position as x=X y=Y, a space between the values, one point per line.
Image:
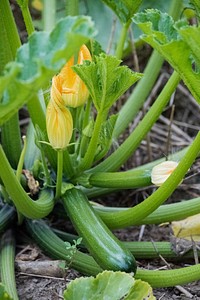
x=10 y=131
x=127 y=148
x=49 y=14
x=7 y=216
x=90 y=153
x=133 y=216
x=7 y=258
x=26 y=15
x=167 y=278
x=72 y=7
x=121 y=41
x=117 y=180
x=85 y=264
x=143 y=88
x=59 y=173
x=163 y=214
x=24 y=204
x=140 y=250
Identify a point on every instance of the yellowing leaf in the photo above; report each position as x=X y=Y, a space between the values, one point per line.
x=188 y=228
x=37 y=4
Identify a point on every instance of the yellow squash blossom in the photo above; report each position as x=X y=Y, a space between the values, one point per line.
x=56 y=91
x=162 y=171
x=59 y=124
x=59 y=121
x=74 y=91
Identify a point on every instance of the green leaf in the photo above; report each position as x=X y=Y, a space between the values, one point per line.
x=38 y=60
x=171 y=39
x=105 y=138
x=140 y=290
x=3 y=294
x=190 y=36
x=106 y=80
x=124 y=9
x=107 y=285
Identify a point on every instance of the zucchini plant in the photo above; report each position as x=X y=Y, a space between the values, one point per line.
x=70 y=86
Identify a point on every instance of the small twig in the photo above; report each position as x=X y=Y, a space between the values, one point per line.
x=142 y=228
x=111 y=38
x=42 y=276
x=50 y=268
x=169 y=130
x=162 y=296
x=184 y=291
x=135 y=57
x=194 y=247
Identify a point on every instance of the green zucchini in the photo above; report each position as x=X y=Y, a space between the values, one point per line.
x=105 y=248
x=7 y=216
x=121 y=180
x=52 y=245
x=7 y=262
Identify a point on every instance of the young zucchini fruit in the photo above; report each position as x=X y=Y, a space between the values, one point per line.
x=105 y=248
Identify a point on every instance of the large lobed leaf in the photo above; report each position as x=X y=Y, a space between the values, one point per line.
x=108 y=285
x=39 y=59
x=177 y=42
x=124 y=9
x=106 y=80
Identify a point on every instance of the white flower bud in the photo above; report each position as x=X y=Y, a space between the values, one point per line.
x=162 y=171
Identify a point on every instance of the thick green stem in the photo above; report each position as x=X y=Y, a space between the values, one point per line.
x=49 y=14
x=72 y=7
x=163 y=214
x=68 y=164
x=59 y=174
x=122 y=39
x=26 y=16
x=24 y=204
x=169 y=278
x=121 y=155
x=140 y=250
x=173 y=212
x=9 y=43
x=90 y=154
x=21 y=160
x=11 y=140
x=7 y=259
x=9 y=36
x=121 y=180
x=98 y=191
x=144 y=86
x=139 y=212
x=7 y=217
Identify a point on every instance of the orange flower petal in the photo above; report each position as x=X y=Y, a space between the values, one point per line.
x=74 y=91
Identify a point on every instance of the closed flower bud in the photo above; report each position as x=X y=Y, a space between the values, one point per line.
x=56 y=91
x=59 y=125
x=162 y=171
x=74 y=91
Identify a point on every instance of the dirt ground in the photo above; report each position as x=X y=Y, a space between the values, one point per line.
x=184 y=127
